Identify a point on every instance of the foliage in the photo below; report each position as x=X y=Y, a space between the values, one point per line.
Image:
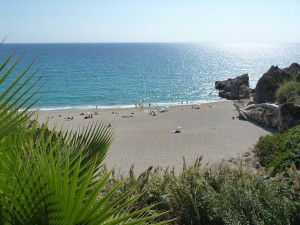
x=280 y=150
x=298 y=77
x=49 y=177
x=14 y=98
x=288 y=92
x=202 y=195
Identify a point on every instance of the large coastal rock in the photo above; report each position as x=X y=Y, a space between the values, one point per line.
x=266 y=114
x=289 y=116
x=232 y=89
x=268 y=84
x=294 y=69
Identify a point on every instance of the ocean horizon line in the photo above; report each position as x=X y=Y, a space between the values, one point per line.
x=156 y=42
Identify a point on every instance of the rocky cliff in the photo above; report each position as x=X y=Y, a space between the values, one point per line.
x=268 y=84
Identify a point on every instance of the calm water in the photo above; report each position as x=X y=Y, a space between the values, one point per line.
x=121 y=75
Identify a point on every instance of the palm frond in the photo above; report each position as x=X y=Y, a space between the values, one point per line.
x=15 y=96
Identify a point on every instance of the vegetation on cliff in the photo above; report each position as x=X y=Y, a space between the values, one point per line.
x=288 y=92
x=279 y=151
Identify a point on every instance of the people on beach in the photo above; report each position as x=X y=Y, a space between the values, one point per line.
x=90 y=116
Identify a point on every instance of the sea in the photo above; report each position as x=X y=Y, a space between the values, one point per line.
x=111 y=75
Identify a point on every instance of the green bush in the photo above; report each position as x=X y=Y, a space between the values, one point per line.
x=202 y=195
x=288 y=92
x=279 y=151
x=269 y=146
x=298 y=77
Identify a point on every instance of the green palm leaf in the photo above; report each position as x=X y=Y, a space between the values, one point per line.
x=12 y=99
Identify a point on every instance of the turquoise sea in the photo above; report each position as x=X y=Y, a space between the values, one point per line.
x=124 y=74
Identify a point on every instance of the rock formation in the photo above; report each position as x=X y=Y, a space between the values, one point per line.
x=289 y=116
x=294 y=69
x=268 y=84
x=266 y=114
x=271 y=115
x=232 y=89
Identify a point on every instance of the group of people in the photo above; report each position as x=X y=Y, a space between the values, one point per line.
x=90 y=116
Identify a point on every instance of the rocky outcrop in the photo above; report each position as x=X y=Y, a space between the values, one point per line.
x=271 y=115
x=268 y=84
x=293 y=69
x=266 y=114
x=289 y=116
x=232 y=89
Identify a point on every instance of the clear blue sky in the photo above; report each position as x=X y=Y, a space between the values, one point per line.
x=150 y=21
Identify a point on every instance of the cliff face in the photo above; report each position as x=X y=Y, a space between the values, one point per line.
x=294 y=69
x=268 y=84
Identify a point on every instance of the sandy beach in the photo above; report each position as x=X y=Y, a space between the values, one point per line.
x=145 y=140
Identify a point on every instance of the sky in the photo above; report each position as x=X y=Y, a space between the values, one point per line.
x=77 y=21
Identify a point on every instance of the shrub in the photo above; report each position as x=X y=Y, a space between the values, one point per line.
x=280 y=150
x=288 y=92
x=298 y=77
x=202 y=195
x=269 y=146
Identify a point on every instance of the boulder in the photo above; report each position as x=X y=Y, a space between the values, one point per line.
x=266 y=114
x=232 y=89
x=289 y=116
x=268 y=84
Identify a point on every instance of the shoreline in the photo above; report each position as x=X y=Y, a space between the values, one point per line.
x=100 y=107
x=142 y=140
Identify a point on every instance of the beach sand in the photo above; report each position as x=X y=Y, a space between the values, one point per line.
x=145 y=140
